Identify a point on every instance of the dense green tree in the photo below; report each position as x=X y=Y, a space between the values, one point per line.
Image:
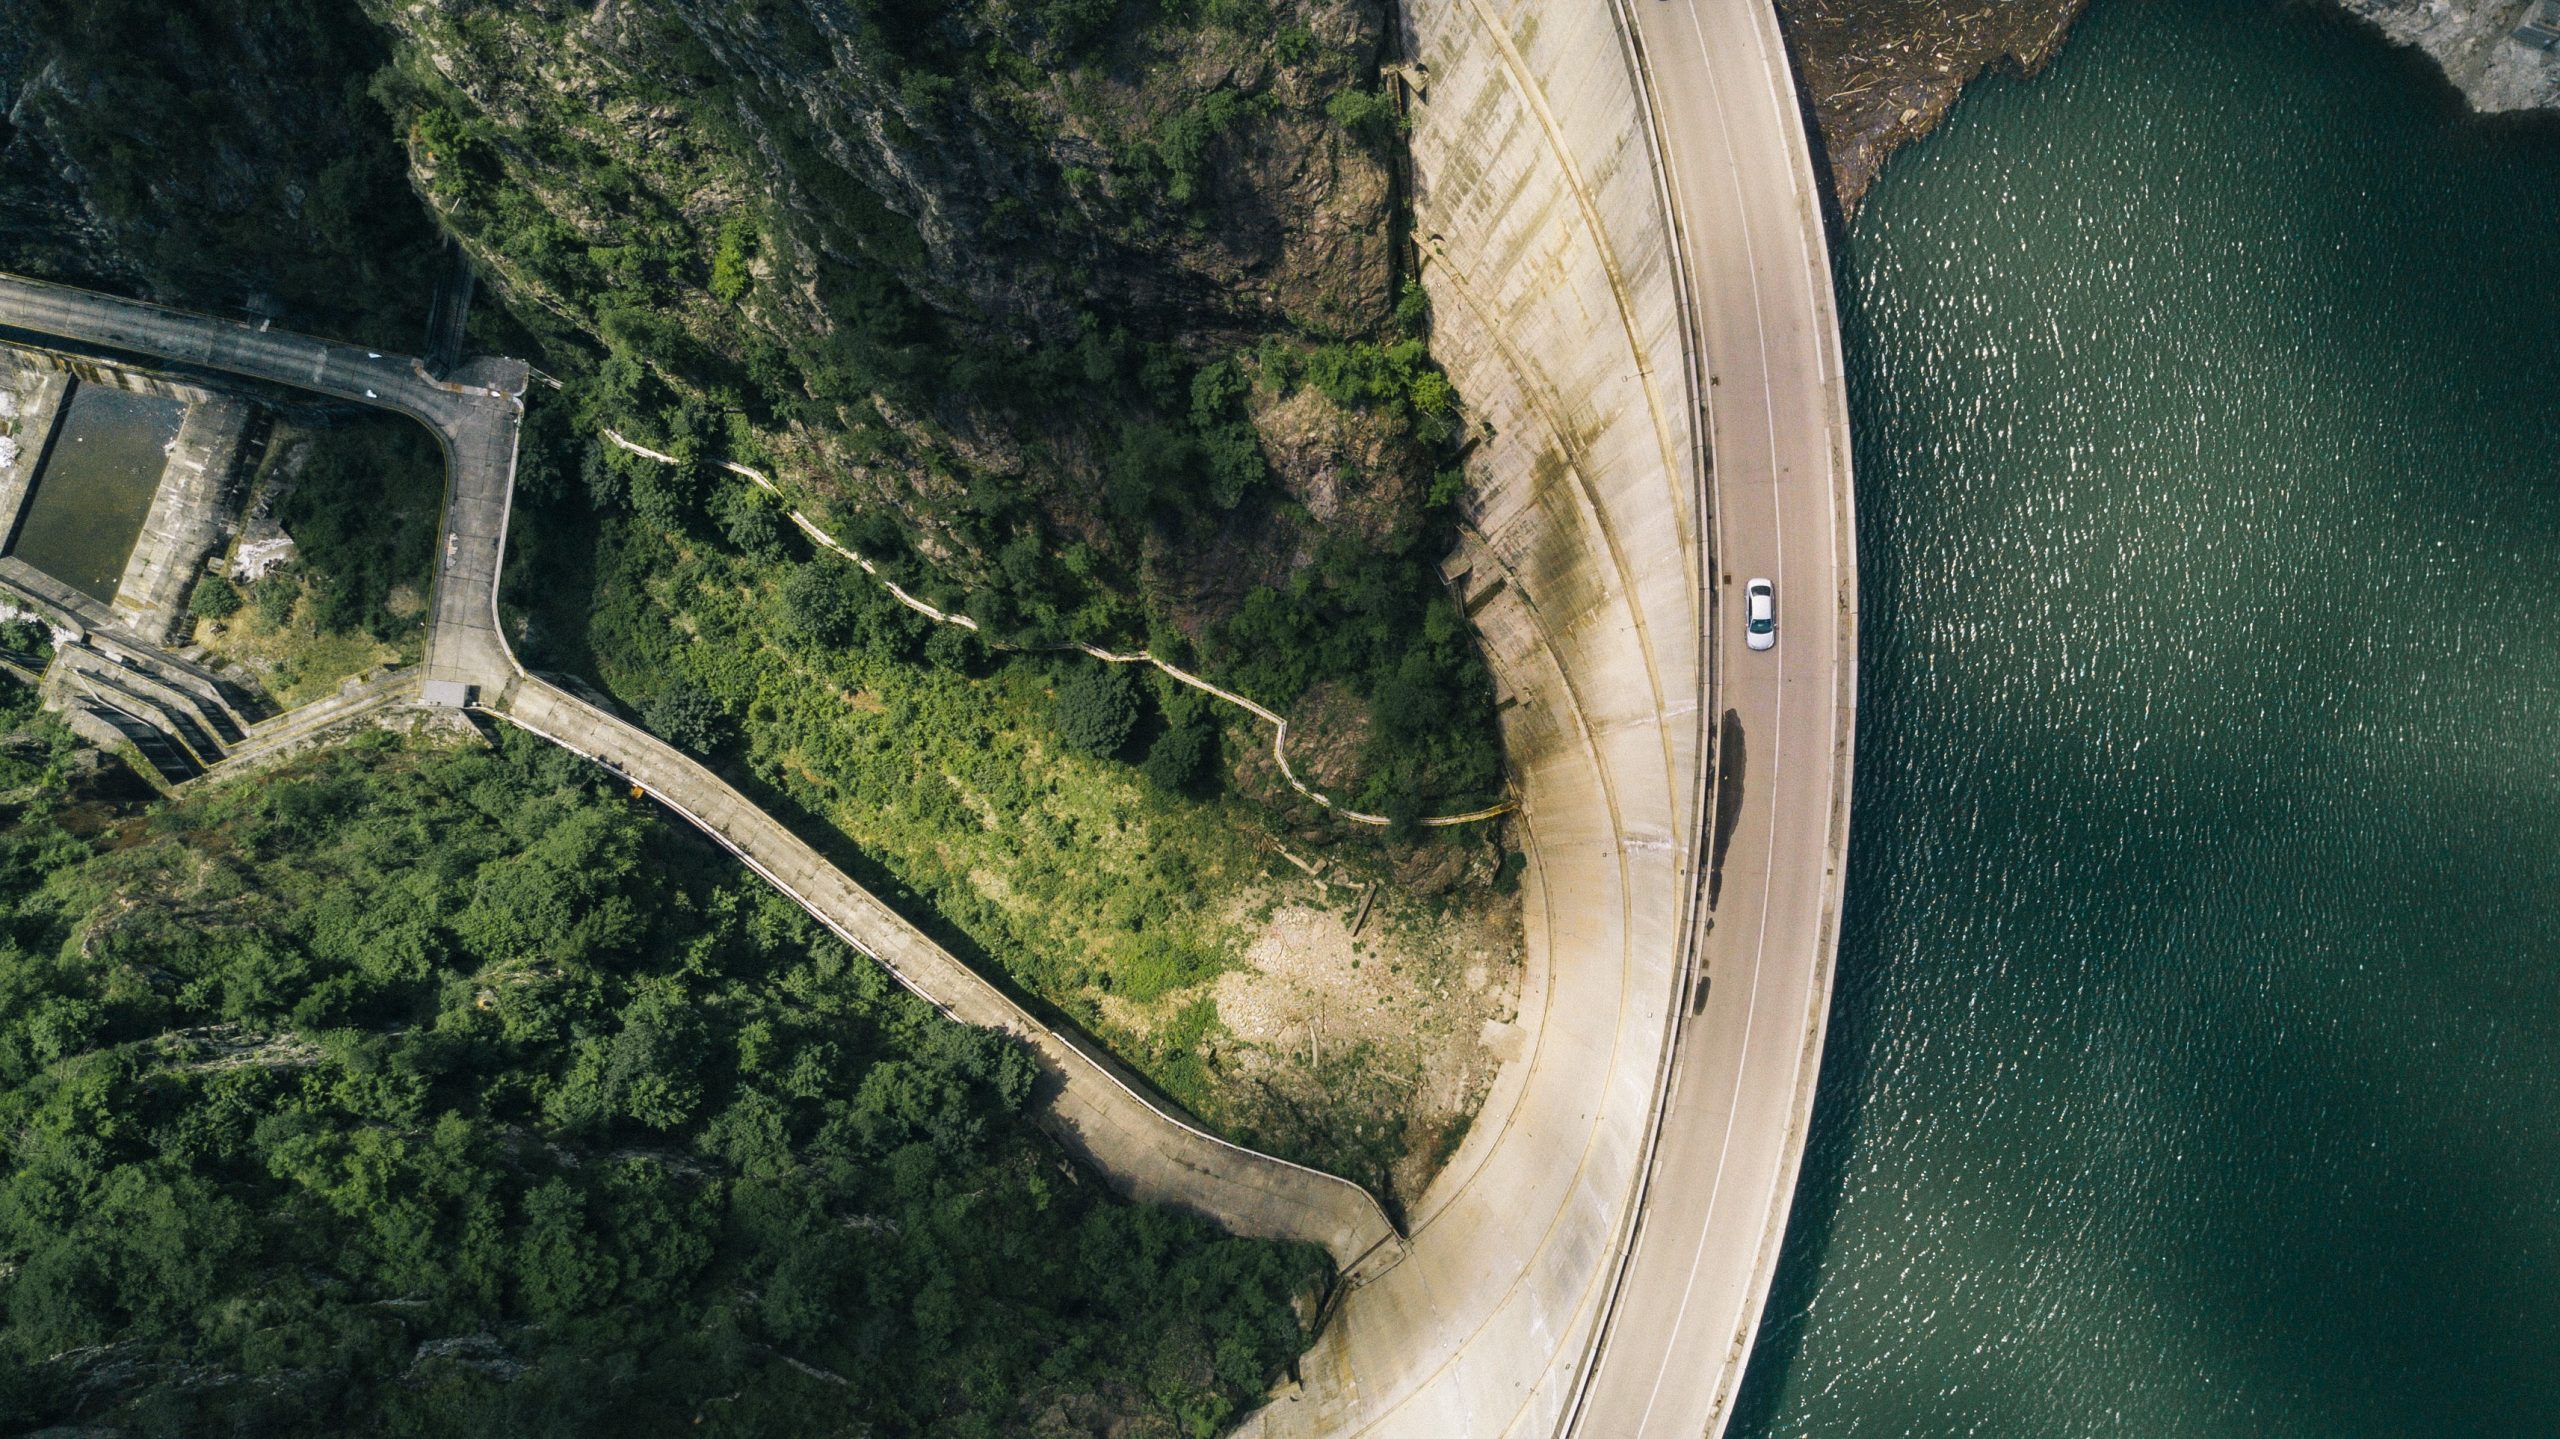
x=751 y=521
x=689 y=719
x=611 y=1135
x=1180 y=755
x=1097 y=708
x=820 y=604
x=213 y=598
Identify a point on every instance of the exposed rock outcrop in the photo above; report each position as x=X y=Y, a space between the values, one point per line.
x=935 y=231
x=1881 y=73
x=222 y=155
x=2496 y=52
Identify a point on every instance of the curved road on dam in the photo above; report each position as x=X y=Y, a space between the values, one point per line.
x=1723 y=1172
x=1629 y=275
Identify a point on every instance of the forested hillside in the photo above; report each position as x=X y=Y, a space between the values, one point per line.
x=446 y=1092
x=425 y=1089
x=1086 y=318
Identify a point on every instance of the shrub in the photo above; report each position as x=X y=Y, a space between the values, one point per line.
x=687 y=719
x=1097 y=708
x=752 y=523
x=1176 y=760
x=731 y=258
x=213 y=599
x=956 y=649
x=1368 y=115
x=275 y=596
x=1182 y=144
x=819 y=605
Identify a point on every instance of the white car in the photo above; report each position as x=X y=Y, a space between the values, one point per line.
x=1760 y=615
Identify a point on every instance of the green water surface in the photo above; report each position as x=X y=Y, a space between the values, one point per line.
x=2195 y=1068
x=96 y=487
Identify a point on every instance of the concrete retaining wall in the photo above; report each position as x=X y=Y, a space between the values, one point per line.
x=1556 y=305
x=186 y=520
x=188 y=511
x=36 y=392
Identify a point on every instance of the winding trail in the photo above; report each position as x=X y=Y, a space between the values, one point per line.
x=1094 y=1106
x=1279 y=724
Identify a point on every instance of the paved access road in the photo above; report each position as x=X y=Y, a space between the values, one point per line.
x=474 y=415
x=1731 y=1134
x=1093 y=1106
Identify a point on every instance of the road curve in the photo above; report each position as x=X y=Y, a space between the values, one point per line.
x=1625 y=258
x=1723 y=1171
x=473 y=416
x=1092 y=1105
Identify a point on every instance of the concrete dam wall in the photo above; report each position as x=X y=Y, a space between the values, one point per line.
x=1557 y=308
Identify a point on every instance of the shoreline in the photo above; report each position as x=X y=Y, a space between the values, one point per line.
x=1879 y=74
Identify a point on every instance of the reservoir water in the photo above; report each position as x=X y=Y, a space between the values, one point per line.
x=96 y=488
x=2194 y=1071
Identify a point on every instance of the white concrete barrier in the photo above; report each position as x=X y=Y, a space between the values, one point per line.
x=1557 y=310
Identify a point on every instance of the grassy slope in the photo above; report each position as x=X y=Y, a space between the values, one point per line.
x=363 y=513
x=1092 y=889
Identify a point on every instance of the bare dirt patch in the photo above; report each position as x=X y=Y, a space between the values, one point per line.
x=1366 y=1048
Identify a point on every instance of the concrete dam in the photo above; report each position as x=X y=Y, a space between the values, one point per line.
x=1623 y=246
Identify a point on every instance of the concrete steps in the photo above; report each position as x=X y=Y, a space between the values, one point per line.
x=179 y=716
x=89 y=675
x=103 y=722
x=298 y=727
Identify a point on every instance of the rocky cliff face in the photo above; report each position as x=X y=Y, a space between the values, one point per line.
x=222 y=155
x=961 y=266
x=2483 y=47
x=956 y=268
x=1010 y=165
x=1080 y=316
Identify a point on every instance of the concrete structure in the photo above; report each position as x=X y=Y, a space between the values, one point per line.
x=357 y=703
x=188 y=509
x=473 y=415
x=110 y=687
x=1556 y=307
x=186 y=519
x=1624 y=251
x=2541 y=25
x=1094 y=1107
x=31 y=396
x=1740 y=1092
